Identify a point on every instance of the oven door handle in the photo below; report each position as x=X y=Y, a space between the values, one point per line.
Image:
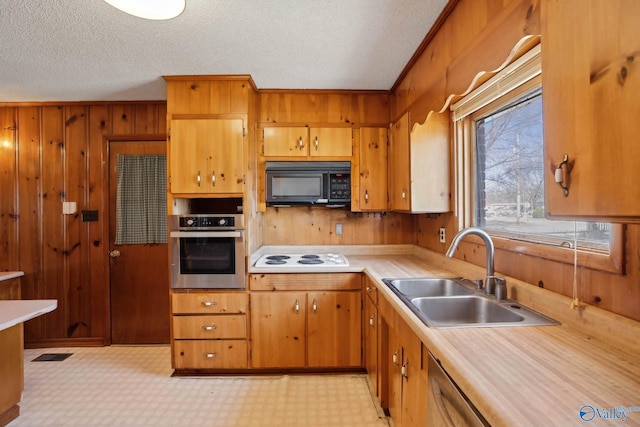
x=214 y=234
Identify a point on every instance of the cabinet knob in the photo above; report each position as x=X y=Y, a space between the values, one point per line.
x=561 y=175
x=208 y=303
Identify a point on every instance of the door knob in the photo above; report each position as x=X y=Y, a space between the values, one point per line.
x=114 y=253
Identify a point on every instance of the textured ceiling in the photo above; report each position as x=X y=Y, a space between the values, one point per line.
x=85 y=50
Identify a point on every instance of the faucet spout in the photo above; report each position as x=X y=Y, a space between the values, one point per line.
x=490 y=251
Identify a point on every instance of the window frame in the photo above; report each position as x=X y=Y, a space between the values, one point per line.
x=521 y=77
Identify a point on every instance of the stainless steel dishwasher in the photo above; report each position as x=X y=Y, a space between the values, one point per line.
x=447 y=406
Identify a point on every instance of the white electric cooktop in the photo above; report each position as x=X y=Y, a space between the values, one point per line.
x=302 y=261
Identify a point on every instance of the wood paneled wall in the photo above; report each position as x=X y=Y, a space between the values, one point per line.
x=478 y=35
x=317 y=226
x=50 y=154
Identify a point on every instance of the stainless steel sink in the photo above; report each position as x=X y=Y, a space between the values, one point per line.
x=449 y=303
x=428 y=287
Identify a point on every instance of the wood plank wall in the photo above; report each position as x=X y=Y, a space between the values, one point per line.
x=478 y=35
x=50 y=154
x=316 y=226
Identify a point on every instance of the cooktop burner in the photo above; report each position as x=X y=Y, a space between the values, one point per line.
x=302 y=261
x=305 y=260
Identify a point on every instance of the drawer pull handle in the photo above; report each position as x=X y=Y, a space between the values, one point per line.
x=395 y=357
x=208 y=303
x=370 y=289
x=297 y=307
x=372 y=321
x=210 y=355
x=209 y=327
x=315 y=306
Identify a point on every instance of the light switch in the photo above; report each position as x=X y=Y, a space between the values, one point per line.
x=69 y=208
x=338 y=229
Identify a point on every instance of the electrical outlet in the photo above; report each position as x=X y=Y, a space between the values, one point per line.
x=442 y=235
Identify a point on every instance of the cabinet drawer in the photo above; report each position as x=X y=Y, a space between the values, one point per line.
x=209 y=327
x=305 y=281
x=210 y=302
x=210 y=354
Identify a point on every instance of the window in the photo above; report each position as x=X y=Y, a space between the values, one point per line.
x=500 y=164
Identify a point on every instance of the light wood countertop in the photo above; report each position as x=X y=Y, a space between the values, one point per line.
x=13 y=312
x=6 y=275
x=524 y=376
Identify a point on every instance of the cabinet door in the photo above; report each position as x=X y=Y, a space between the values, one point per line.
x=414 y=381
x=394 y=380
x=334 y=329
x=331 y=142
x=278 y=329
x=371 y=342
x=225 y=171
x=591 y=108
x=206 y=156
x=373 y=170
x=187 y=154
x=285 y=141
x=400 y=182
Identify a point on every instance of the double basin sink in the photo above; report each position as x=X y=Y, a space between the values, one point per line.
x=449 y=303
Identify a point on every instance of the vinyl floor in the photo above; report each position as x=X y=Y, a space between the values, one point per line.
x=132 y=386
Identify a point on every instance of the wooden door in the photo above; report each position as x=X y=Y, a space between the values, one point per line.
x=400 y=159
x=330 y=142
x=278 y=329
x=139 y=275
x=334 y=334
x=373 y=170
x=285 y=141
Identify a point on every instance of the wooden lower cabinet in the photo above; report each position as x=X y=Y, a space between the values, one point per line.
x=370 y=330
x=403 y=370
x=299 y=323
x=209 y=330
x=210 y=354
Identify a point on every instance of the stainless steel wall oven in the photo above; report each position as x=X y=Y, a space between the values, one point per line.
x=207 y=251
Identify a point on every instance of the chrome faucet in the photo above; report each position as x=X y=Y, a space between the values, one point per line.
x=489 y=282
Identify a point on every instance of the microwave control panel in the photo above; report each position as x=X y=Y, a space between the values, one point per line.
x=340 y=187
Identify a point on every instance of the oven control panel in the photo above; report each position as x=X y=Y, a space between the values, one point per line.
x=206 y=222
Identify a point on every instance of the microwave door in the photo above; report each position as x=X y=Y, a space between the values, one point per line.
x=298 y=187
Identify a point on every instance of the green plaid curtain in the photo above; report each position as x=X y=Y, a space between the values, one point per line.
x=141 y=199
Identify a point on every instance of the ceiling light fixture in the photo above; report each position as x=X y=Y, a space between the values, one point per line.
x=150 y=9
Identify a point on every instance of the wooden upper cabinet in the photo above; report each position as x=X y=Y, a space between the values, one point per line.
x=285 y=141
x=330 y=142
x=419 y=170
x=372 y=189
x=591 y=82
x=399 y=160
x=304 y=142
x=206 y=156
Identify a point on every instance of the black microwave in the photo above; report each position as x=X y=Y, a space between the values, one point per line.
x=308 y=183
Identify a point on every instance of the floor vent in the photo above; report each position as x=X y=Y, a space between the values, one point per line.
x=52 y=357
